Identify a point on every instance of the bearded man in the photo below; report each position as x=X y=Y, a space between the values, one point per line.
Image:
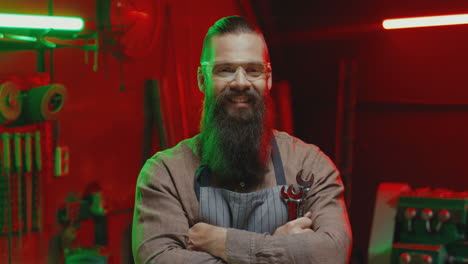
x=215 y=198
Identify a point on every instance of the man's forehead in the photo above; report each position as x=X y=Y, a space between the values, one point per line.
x=238 y=47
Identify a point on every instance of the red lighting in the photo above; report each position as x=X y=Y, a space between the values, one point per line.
x=427 y=21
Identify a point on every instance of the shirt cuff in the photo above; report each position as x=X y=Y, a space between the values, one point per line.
x=239 y=245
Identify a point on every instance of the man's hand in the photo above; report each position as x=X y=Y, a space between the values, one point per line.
x=208 y=238
x=212 y=239
x=300 y=225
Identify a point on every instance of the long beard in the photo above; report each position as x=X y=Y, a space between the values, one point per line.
x=235 y=143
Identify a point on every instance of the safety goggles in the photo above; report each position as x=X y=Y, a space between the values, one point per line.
x=227 y=71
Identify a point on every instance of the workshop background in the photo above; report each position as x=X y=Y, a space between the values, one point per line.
x=386 y=106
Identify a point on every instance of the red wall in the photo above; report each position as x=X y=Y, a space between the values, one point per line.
x=104 y=126
x=420 y=136
x=412 y=102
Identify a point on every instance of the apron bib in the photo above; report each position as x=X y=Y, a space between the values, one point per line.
x=260 y=211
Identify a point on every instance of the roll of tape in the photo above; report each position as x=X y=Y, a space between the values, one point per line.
x=41 y=104
x=10 y=102
x=45 y=102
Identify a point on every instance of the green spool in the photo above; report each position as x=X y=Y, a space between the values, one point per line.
x=41 y=104
x=45 y=102
x=10 y=102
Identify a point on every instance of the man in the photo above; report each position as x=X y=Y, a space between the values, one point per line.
x=215 y=198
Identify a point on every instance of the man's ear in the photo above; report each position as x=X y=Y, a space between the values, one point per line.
x=201 y=80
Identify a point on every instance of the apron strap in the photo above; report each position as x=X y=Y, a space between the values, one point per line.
x=202 y=179
x=277 y=163
x=202 y=174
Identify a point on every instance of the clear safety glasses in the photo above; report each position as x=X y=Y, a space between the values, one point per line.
x=227 y=71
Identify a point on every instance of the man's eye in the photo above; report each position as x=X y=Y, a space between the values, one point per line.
x=254 y=70
x=224 y=69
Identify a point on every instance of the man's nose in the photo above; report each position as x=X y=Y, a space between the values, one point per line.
x=240 y=81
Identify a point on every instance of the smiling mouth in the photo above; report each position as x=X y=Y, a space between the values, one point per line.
x=239 y=100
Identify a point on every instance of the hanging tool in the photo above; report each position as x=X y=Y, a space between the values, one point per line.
x=19 y=181
x=7 y=173
x=28 y=180
x=37 y=207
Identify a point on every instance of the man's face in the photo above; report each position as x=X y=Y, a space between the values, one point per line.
x=241 y=90
x=236 y=128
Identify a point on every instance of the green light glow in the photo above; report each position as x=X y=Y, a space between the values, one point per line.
x=23 y=38
x=41 y=22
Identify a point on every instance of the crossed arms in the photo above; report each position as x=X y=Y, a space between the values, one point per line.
x=165 y=230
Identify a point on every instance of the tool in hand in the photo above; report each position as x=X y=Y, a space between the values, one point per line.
x=292 y=199
x=305 y=187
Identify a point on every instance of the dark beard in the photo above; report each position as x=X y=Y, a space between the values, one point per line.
x=235 y=145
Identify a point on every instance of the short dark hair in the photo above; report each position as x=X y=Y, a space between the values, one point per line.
x=227 y=25
x=231 y=24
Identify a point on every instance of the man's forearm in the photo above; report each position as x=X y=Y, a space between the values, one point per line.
x=182 y=256
x=208 y=238
x=238 y=246
x=319 y=247
x=294 y=242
